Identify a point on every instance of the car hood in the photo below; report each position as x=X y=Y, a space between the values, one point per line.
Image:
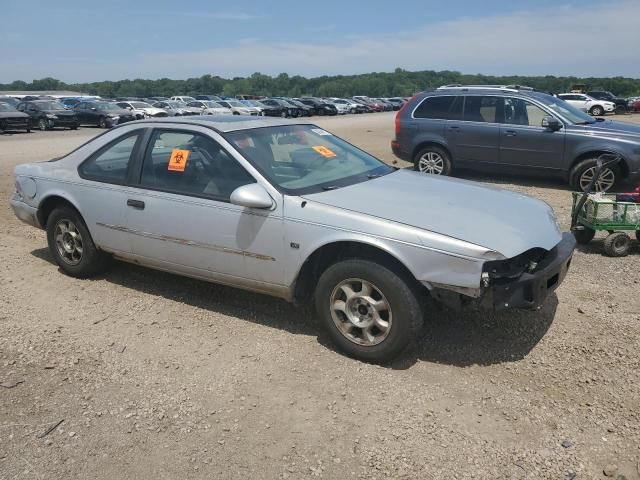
x=15 y=114
x=507 y=222
x=152 y=110
x=613 y=126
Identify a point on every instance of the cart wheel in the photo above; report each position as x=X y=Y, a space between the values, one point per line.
x=585 y=235
x=617 y=244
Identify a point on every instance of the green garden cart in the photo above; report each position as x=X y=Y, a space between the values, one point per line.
x=591 y=213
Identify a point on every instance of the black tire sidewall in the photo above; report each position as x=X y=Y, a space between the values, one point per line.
x=584 y=236
x=405 y=306
x=611 y=250
x=443 y=154
x=93 y=260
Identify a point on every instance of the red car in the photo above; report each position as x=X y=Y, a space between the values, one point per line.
x=634 y=105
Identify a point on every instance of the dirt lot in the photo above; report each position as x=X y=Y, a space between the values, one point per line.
x=156 y=376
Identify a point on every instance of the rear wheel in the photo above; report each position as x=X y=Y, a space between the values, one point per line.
x=369 y=310
x=617 y=244
x=585 y=235
x=432 y=160
x=583 y=173
x=596 y=111
x=71 y=245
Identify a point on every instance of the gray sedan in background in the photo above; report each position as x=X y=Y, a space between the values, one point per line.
x=293 y=211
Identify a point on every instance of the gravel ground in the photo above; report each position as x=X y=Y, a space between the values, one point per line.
x=157 y=376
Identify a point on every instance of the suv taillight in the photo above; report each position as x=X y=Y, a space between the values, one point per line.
x=398 y=123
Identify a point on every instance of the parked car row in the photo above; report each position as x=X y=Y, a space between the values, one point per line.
x=45 y=112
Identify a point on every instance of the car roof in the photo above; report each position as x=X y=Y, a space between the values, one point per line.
x=220 y=123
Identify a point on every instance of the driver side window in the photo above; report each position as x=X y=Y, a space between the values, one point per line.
x=191 y=164
x=521 y=112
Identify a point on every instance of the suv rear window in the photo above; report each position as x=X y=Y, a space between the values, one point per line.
x=445 y=107
x=483 y=109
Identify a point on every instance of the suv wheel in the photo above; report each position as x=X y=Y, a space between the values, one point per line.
x=432 y=160
x=71 y=245
x=596 y=111
x=583 y=173
x=43 y=125
x=369 y=311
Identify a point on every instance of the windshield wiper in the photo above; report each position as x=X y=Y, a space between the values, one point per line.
x=373 y=175
x=329 y=187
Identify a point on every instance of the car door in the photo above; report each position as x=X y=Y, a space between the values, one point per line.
x=104 y=191
x=79 y=109
x=476 y=137
x=525 y=142
x=181 y=218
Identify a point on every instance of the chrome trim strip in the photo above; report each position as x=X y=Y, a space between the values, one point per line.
x=183 y=241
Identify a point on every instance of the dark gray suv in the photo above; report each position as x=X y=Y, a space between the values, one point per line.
x=515 y=130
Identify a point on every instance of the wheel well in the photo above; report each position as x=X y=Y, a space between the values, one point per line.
x=428 y=144
x=48 y=204
x=332 y=253
x=624 y=168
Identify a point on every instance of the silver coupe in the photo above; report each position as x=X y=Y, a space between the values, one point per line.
x=293 y=211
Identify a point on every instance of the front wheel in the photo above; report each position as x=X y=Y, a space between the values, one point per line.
x=102 y=123
x=370 y=311
x=432 y=160
x=583 y=173
x=597 y=111
x=71 y=244
x=43 y=125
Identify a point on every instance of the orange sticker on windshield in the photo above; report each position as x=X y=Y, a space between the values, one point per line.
x=324 y=151
x=178 y=160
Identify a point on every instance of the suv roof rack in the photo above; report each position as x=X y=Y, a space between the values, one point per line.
x=513 y=88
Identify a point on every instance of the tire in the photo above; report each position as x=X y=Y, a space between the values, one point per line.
x=403 y=315
x=617 y=244
x=283 y=114
x=433 y=160
x=102 y=122
x=579 y=177
x=74 y=127
x=620 y=109
x=71 y=245
x=596 y=111
x=638 y=235
x=43 y=125
x=584 y=236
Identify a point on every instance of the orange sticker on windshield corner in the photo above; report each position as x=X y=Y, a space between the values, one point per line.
x=178 y=160
x=324 y=151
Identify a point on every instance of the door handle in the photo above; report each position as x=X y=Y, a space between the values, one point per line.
x=139 y=204
x=454 y=128
x=510 y=133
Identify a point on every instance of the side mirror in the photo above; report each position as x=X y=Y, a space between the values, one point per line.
x=93 y=108
x=251 y=196
x=551 y=123
x=129 y=108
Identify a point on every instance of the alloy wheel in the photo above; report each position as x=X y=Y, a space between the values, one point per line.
x=42 y=124
x=360 y=312
x=69 y=242
x=605 y=181
x=431 y=162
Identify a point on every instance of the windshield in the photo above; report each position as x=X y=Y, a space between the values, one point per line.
x=211 y=104
x=302 y=159
x=5 y=107
x=140 y=105
x=50 y=106
x=567 y=111
x=235 y=103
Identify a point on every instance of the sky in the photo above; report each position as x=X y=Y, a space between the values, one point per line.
x=82 y=41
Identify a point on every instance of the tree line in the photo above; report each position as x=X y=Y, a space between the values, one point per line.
x=376 y=84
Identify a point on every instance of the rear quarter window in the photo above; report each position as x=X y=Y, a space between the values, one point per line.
x=445 y=107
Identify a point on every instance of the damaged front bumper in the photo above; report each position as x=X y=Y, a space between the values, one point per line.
x=527 y=291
